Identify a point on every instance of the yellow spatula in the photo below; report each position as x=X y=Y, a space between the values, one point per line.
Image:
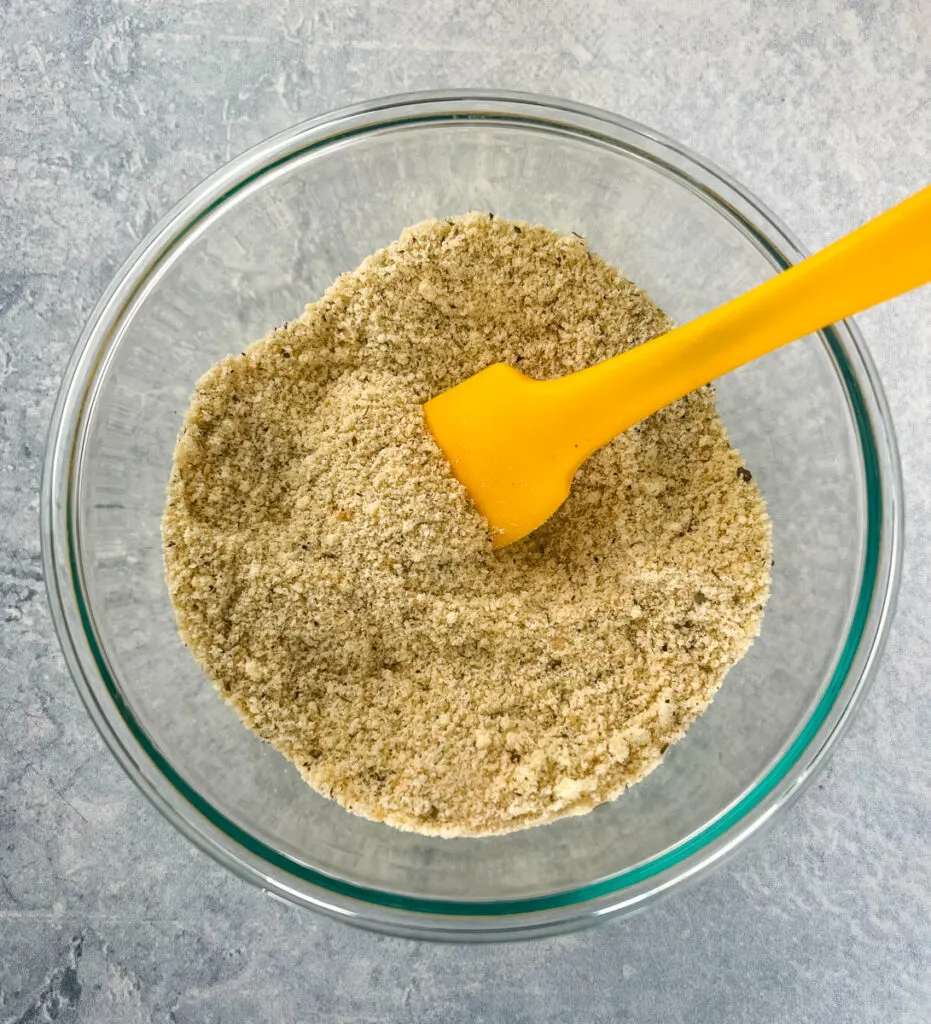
x=516 y=443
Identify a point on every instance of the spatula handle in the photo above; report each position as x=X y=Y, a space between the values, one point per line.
x=884 y=258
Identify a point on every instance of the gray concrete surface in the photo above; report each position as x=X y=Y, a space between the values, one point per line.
x=109 y=111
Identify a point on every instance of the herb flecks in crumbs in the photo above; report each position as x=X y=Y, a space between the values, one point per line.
x=334 y=581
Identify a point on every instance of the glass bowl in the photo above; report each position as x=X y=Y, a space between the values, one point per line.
x=245 y=251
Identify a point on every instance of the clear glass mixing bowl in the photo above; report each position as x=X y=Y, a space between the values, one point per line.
x=245 y=251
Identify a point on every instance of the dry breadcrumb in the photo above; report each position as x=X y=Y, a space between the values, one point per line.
x=335 y=582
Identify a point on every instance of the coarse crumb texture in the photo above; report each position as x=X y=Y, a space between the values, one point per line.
x=334 y=581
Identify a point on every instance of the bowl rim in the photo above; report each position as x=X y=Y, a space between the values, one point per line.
x=460 y=919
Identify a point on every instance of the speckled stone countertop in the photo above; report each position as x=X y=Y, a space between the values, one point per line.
x=109 y=111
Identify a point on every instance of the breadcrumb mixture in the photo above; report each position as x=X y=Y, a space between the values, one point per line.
x=334 y=581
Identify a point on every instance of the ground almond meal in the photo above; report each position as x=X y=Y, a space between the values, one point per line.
x=334 y=581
